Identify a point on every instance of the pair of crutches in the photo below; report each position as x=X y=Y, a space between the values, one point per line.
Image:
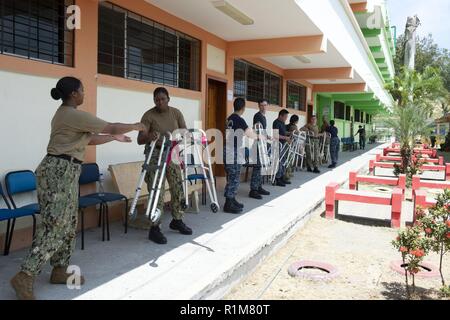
x=195 y=142
x=268 y=156
x=152 y=211
x=298 y=150
x=263 y=151
x=325 y=147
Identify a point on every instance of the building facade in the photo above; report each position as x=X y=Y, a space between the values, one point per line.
x=327 y=57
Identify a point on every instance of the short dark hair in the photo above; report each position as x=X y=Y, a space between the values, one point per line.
x=239 y=104
x=65 y=87
x=295 y=118
x=332 y=123
x=283 y=113
x=261 y=101
x=161 y=90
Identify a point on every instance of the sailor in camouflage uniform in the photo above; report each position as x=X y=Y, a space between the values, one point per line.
x=57 y=185
x=160 y=120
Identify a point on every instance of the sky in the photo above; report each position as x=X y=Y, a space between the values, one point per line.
x=434 y=15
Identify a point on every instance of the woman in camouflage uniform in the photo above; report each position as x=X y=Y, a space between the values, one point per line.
x=57 y=184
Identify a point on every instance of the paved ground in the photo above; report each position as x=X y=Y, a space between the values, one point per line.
x=223 y=249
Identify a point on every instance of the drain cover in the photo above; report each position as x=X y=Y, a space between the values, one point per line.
x=313 y=270
x=382 y=189
x=427 y=270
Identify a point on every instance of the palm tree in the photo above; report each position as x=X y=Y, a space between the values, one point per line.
x=415 y=96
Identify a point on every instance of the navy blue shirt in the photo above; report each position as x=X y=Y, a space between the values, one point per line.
x=333 y=131
x=281 y=127
x=260 y=118
x=235 y=122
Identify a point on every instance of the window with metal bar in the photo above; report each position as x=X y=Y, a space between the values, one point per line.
x=296 y=96
x=36 y=29
x=254 y=83
x=357 y=116
x=348 y=112
x=134 y=47
x=339 y=110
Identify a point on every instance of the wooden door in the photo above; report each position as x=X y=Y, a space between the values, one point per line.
x=216 y=113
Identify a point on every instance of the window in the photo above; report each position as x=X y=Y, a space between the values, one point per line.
x=36 y=30
x=368 y=119
x=296 y=96
x=254 y=83
x=348 y=112
x=357 y=116
x=339 y=110
x=131 y=46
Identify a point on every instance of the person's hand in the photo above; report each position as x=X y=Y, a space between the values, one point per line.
x=140 y=126
x=122 y=138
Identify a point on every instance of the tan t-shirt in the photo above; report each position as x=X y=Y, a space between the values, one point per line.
x=310 y=127
x=72 y=130
x=161 y=122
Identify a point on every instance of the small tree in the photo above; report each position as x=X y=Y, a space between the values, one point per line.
x=436 y=225
x=413 y=246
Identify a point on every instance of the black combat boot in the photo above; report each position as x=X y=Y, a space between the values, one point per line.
x=263 y=192
x=255 y=195
x=179 y=225
x=238 y=204
x=156 y=235
x=231 y=207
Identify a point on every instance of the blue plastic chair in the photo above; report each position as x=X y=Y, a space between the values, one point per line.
x=19 y=182
x=10 y=215
x=90 y=173
x=194 y=177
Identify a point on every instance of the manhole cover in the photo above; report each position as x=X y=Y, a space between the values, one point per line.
x=313 y=270
x=382 y=189
x=427 y=270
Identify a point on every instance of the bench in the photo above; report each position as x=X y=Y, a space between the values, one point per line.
x=445 y=169
x=430 y=152
x=380 y=158
x=374 y=164
x=333 y=195
x=420 y=196
x=355 y=179
x=349 y=143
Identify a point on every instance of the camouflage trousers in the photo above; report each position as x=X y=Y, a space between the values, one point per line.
x=57 y=190
x=175 y=180
x=313 y=160
x=233 y=172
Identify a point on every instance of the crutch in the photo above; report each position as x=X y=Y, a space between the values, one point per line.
x=263 y=152
x=160 y=174
x=145 y=167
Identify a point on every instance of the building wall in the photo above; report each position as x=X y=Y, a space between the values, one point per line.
x=26 y=103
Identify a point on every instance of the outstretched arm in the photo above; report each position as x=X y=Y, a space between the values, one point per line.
x=122 y=128
x=103 y=139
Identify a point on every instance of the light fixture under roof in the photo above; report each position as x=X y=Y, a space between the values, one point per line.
x=233 y=12
x=303 y=59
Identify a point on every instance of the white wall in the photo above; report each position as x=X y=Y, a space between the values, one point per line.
x=116 y=105
x=26 y=110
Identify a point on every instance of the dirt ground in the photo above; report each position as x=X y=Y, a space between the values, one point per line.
x=361 y=253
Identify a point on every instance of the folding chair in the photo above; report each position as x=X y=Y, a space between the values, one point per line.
x=90 y=173
x=19 y=182
x=10 y=215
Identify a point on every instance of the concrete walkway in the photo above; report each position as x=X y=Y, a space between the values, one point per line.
x=223 y=249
